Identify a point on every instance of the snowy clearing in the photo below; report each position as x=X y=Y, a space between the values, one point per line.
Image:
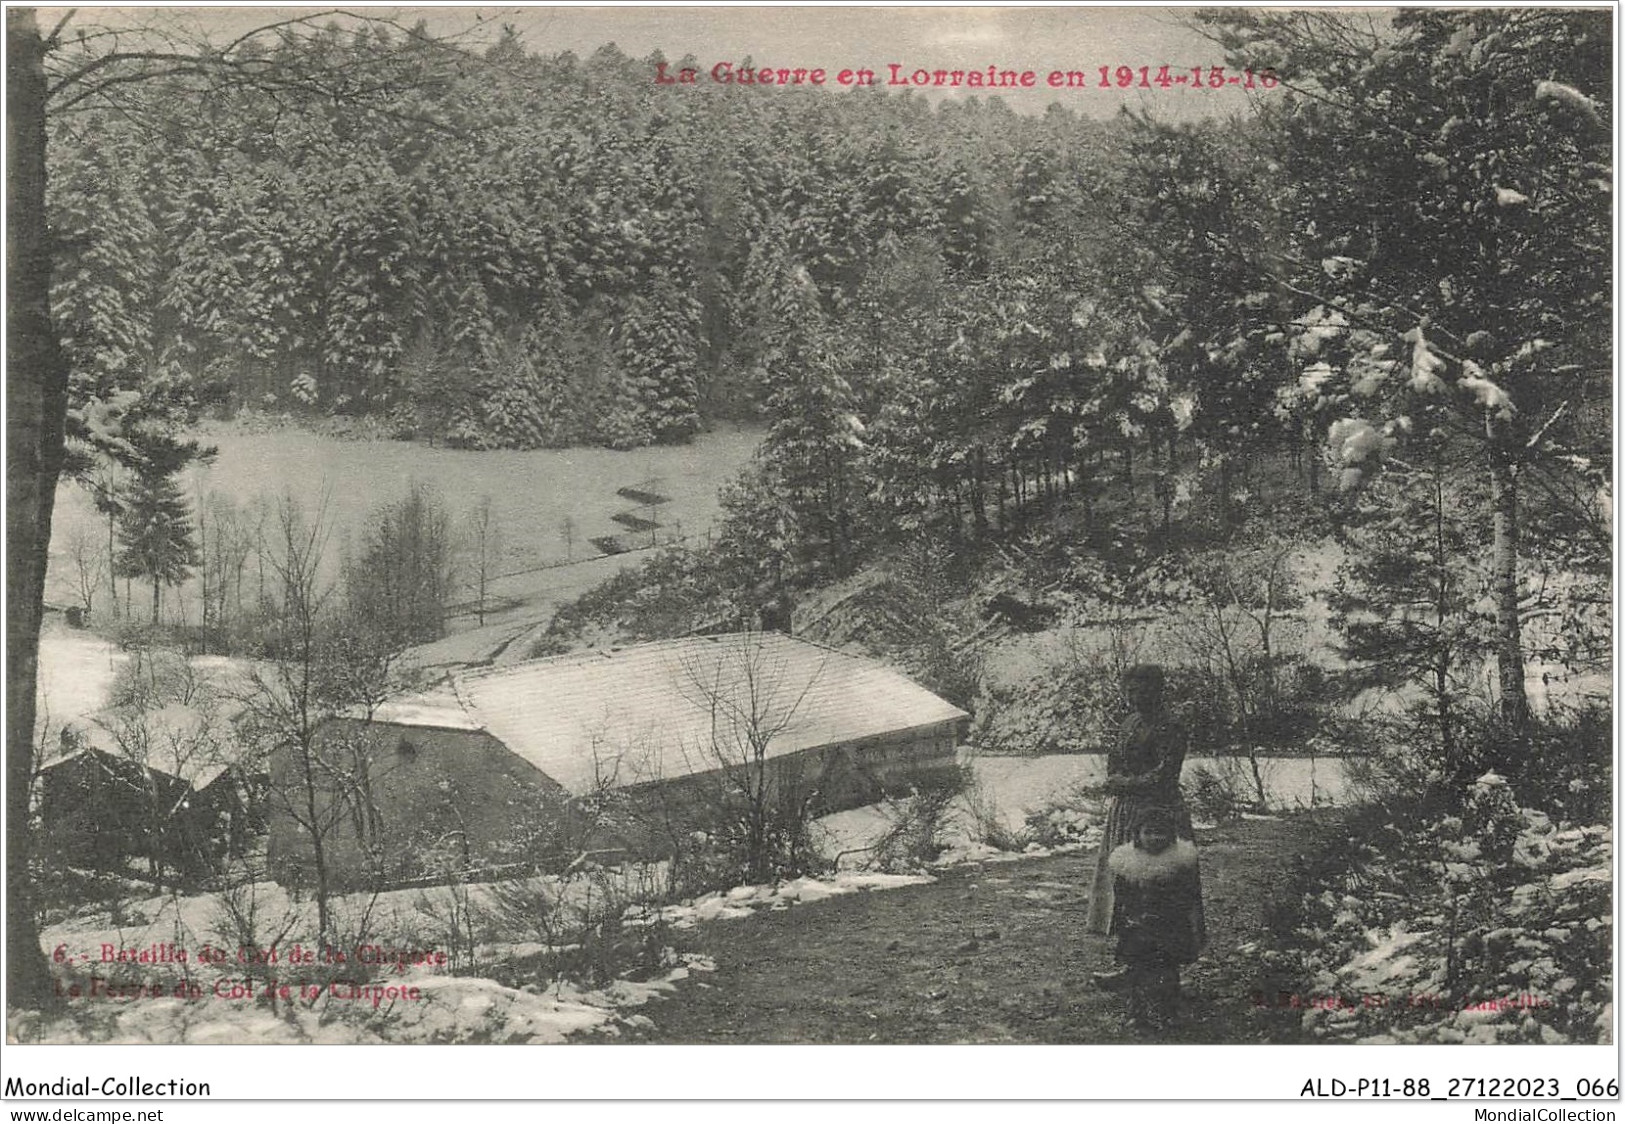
x=76 y=671
x=549 y=503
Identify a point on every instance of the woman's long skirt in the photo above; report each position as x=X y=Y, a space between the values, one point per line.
x=1121 y=816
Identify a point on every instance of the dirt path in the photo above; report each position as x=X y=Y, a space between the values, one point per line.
x=994 y=953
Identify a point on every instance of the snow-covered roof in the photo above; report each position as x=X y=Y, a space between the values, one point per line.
x=668 y=709
x=438 y=707
x=174 y=739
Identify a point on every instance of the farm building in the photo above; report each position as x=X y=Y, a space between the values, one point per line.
x=163 y=791
x=512 y=765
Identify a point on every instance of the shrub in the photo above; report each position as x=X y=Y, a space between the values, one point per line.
x=74 y=890
x=727 y=829
x=457 y=922
x=916 y=822
x=1068 y=818
x=530 y=906
x=1565 y=765
x=675 y=592
x=594 y=924
x=1071 y=705
x=1284 y=704
x=987 y=824
x=154 y=677
x=247 y=917
x=913 y=835
x=1215 y=795
x=1489 y=900
x=1393 y=761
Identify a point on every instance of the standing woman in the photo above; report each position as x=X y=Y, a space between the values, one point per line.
x=1142 y=777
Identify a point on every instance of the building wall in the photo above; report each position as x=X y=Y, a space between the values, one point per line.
x=95 y=813
x=828 y=778
x=99 y=811
x=421 y=799
x=461 y=800
x=850 y=776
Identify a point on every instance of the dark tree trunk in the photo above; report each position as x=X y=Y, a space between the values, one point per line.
x=1442 y=655
x=112 y=560
x=1314 y=473
x=36 y=405
x=1504 y=585
x=978 y=505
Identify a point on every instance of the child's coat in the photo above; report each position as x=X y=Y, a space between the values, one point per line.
x=1158 y=901
x=1131 y=863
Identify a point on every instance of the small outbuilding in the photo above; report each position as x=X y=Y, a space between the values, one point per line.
x=160 y=791
x=505 y=766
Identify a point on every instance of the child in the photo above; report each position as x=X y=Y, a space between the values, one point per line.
x=1156 y=903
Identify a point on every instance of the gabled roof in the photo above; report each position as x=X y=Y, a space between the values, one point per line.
x=663 y=710
x=175 y=740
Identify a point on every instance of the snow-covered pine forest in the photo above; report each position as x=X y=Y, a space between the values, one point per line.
x=1310 y=404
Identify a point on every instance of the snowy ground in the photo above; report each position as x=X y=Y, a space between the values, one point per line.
x=170 y=970
x=1009 y=790
x=1021 y=784
x=76 y=671
x=429 y=1002
x=1536 y=937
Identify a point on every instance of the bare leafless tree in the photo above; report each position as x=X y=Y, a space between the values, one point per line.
x=1233 y=636
x=84 y=550
x=484 y=539
x=168 y=732
x=226 y=540
x=319 y=669
x=758 y=804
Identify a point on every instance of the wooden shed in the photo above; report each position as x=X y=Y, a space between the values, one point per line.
x=504 y=766
x=108 y=799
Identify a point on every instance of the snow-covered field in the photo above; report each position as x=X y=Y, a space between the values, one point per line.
x=1021 y=784
x=548 y=503
x=76 y=671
